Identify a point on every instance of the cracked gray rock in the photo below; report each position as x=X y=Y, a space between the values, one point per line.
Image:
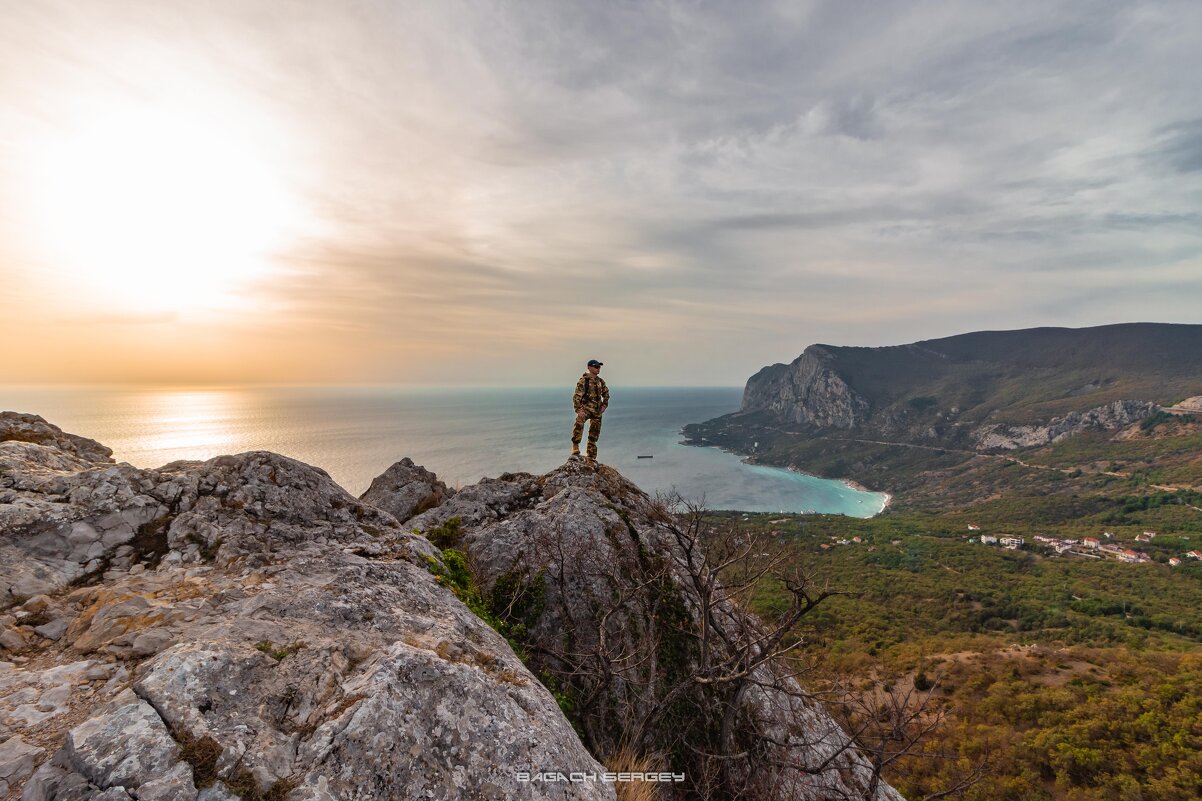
x=245 y=619
x=17 y=761
x=265 y=626
x=1109 y=417
x=405 y=490
x=557 y=550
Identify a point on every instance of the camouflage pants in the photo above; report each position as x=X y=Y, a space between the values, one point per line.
x=594 y=431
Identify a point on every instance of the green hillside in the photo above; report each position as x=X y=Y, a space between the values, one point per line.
x=1072 y=678
x=1027 y=375
x=928 y=403
x=1067 y=676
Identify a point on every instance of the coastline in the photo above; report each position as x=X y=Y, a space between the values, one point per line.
x=861 y=488
x=749 y=459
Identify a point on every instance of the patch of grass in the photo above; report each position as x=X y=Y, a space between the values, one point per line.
x=150 y=541
x=202 y=754
x=243 y=785
x=1153 y=420
x=279 y=653
x=923 y=403
x=446 y=535
x=455 y=574
x=562 y=695
x=498 y=610
x=517 y=600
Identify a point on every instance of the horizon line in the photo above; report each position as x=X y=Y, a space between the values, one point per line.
x=149 y=387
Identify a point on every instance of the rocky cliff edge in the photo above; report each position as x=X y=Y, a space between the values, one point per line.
x=244 y=628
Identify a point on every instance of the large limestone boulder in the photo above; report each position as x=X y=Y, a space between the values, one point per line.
x=17 y=427
x=244 y=627
x=406 y=489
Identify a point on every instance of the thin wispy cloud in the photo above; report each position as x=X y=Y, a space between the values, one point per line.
x=492 y=192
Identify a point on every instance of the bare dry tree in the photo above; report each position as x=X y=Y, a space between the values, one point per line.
x=655 y=646
x=893 y=720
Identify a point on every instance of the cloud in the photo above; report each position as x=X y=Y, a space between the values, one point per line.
x=1182 y=147
x=546 y=177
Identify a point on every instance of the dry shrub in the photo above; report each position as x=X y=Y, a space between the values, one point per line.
x=627 y=760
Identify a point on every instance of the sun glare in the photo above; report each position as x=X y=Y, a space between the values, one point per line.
x=156 y=211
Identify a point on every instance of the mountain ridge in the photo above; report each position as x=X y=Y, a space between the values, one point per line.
x=835 y=410
x=1108 y=363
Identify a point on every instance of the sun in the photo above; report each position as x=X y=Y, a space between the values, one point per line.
x=156 y=210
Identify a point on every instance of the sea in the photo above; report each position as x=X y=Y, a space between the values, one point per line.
x=463 y=435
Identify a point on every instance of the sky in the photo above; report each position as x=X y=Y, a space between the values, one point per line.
x=492 y=193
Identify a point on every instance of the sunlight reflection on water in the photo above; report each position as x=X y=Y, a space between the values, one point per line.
x=355 y=433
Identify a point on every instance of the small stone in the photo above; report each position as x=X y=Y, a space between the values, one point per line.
x=29 y=715
x=17 y=760
x=82 y=533
x=113 y=794
x=98 y=671
x=29 y=586
x=56 y=699
x=118 y=679
x=36 y=604
x=12 y=640
x=151 y=642
x=54 y=630
x=22 y=696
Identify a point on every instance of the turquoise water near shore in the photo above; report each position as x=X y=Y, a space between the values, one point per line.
x=355 y=433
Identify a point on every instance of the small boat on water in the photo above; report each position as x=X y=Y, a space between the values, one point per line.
x=646 y=457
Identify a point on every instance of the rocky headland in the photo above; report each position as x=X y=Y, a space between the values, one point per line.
x=244 y=628
x=907 y=418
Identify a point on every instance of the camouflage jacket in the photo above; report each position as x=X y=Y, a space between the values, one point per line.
x=591 y=394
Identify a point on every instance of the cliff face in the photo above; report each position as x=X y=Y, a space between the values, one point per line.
x=808 y=392
x=989 y=389
x=603 y=585
x=242 y=627
x=1110 y=417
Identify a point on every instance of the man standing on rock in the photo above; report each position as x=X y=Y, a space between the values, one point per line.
x=590 y=401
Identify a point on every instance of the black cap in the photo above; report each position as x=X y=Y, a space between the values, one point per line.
x=594 y=363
